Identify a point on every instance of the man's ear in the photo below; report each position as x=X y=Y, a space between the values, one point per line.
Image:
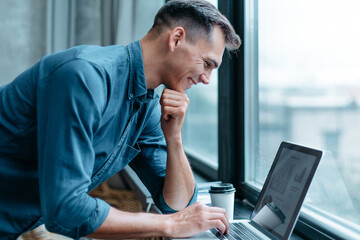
x=176 y=37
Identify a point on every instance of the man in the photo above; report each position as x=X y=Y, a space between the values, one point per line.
x=79 y=116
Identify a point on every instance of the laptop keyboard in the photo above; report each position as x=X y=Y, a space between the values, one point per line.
x=237 y=231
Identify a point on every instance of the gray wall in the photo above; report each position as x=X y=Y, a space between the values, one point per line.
x=31 y=29
x=23 y=36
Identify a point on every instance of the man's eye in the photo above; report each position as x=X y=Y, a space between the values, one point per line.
x=207 y=64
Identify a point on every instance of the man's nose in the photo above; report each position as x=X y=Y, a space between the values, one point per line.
x=205 y=78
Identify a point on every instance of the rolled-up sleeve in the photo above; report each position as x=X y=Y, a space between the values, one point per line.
x=70 y=103
x=150 y=164
x=166 y=209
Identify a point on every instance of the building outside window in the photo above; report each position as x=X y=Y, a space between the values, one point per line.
x=303 y=85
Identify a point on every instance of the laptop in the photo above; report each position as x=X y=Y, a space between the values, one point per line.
x=278 y=206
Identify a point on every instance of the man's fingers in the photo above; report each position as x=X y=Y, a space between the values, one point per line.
x=170 y=97
x=168 y=111
x=172 y=92
x=218 y=217
x=173 y=95
x=170 y=102
x=220 y=214
x=198 y=218
x=174 y=112
x=219 y=225
x=166 y=116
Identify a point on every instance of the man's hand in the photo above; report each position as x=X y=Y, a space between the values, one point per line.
x=174 y=105
x=196 y=219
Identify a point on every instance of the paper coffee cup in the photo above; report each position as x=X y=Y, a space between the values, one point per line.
x=270 y=216
x=222 y=195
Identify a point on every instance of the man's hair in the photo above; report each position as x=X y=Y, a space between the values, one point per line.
x=198 y=18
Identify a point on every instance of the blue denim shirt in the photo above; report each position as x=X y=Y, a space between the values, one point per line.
x=67 y=124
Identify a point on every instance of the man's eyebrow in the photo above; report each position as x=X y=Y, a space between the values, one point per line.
x=216 y=64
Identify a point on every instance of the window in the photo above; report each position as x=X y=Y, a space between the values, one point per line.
x=200 y=129
x=302 y=84
x=201 y=123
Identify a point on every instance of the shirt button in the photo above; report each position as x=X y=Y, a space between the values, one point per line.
x=131 y=95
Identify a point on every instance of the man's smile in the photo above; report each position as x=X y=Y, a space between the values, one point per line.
x=191 y=81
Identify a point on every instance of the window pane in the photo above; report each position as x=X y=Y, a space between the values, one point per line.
x=303 y=84
x=200 y=130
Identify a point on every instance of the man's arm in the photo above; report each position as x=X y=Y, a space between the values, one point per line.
x=179 y=182
x=69 y=104
x=178 y=189
x=190 y=221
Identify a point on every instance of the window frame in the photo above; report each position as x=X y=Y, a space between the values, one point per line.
x=231 y=102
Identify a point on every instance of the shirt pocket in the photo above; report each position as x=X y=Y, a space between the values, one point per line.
x=128 y=154
x=119 y=158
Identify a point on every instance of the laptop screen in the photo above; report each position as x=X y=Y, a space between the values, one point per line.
x=283 y=193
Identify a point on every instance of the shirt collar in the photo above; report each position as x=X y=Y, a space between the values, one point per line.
x=137 y=85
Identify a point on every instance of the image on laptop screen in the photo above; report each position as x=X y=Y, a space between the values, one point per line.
x=282 y=195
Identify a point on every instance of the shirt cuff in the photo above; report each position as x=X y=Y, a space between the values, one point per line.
x=162 y=205
x=98 y=217
x=89 y=226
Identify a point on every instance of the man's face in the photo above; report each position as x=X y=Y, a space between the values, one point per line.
x=193 y=63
